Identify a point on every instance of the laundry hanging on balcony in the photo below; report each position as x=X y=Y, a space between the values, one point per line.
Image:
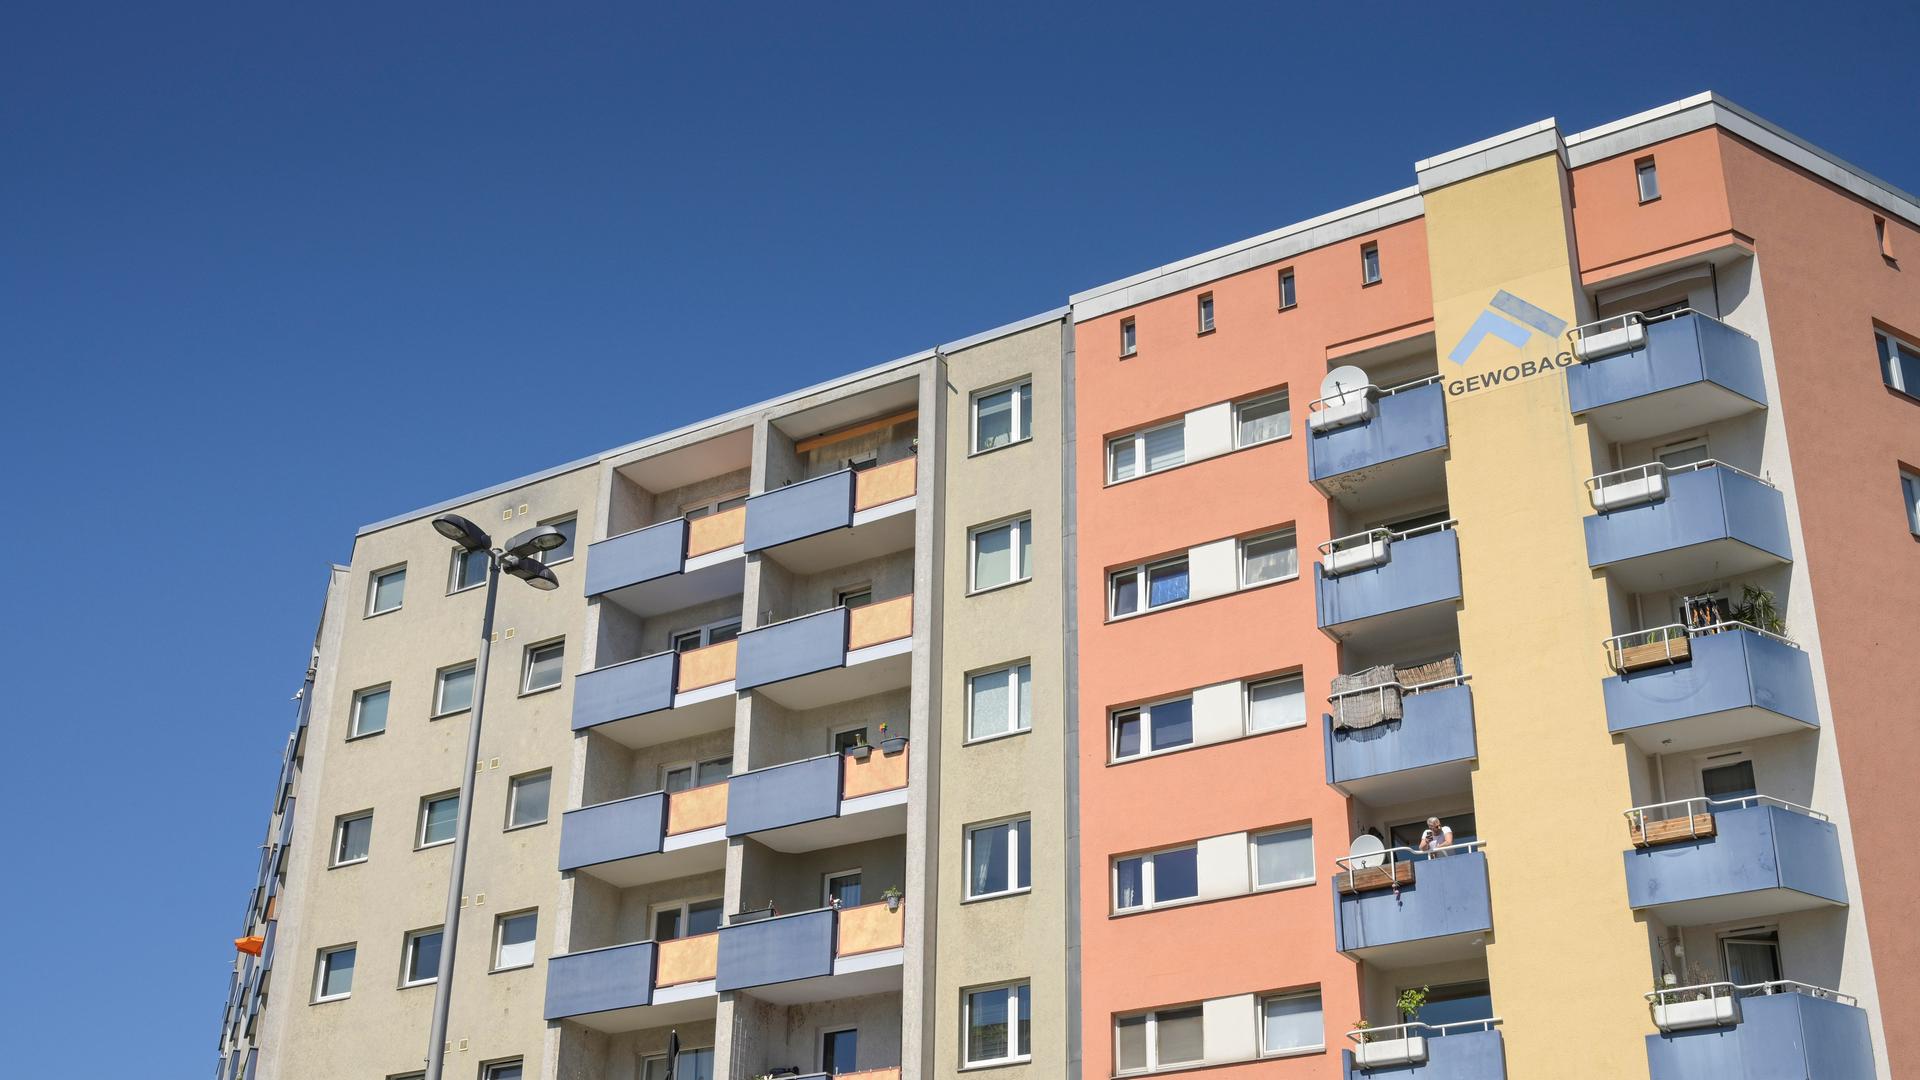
x=250 y=945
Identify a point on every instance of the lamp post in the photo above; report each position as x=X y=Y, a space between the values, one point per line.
x=517 y=559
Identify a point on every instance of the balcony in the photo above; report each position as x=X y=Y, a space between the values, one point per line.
x=1640 y=377
x=1471 y=1050
x=658 y=698
x=1680 y=689
x=1697 y=861
x=1381 y=587
x=833 y=520
x=821 y=802
x=815 y=955
x=1402 y=908
x=647 y=838
x=1769 y=1031
x=673 y=565
x=1428 y=750
x=635 y=986
x=830 y=656
x=1661 y=528
x=1372 y=447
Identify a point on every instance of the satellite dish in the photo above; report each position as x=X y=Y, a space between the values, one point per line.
x=1342 y=383
x=1367 y=851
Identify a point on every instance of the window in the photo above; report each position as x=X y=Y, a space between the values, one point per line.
x=352 y=837
x=846 y=737
x=453 y=690
x=857 y=596
x=695 y=774
x=999 y=1023
x=700 y=638
x=1002 y=417
x=1158 y=1040
x=1910 y=491
x=1262 y=419
x=1128 y=342
x=671 y=922
x=420 y=963
x=1163 y=877
x=697 y=510
x=1166 y=725
x=839 y=1050
x=1002 y=554
x=333 y=974
x=511 y=1070
x=1283 y=857
x=469 y=569
x=543 y=667
x=513 y=937
x=1685 y=452
x=1146 y=451
x=841 y=889
x=1900 y=365
x=386 y=590
x=569 y=526
x=1648 y=178
x=1000 y=702
x=438 y=816
x=1291 y=1024
x=1370 y=264
x=1161 y=583
x=527 y=799
x=999 y=859
x=1275 y=704
x=694 y=1065
x=369 y=712
x=1287 y=298
x=1272 y=557
x=1733 y=780
x=1206 y=313
x=1461 y=1001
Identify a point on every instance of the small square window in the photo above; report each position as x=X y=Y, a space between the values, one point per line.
x=1262 y=419
x=999 y=859
x=453 y=690
x=1272 y=557
x=1370 y=264
x=999 y=1022
x=543 y=666
x=1206 y=313
x=439 y=816
x=352 y=837
x=1002 y=417
x=1287 y=298
x=420 y=959
x=1129 y=344
x=333 y=973
x=527 y=799
x=1900 y=364
x=369 y=712
x=387 y=589
x=469 y=570
x=513 y=940
x=1283 y=857
x=1002 y=554
x=999 y=702
x=1910 y=491
x=1291 y=1024
x=1276 y=704
x=568 y=526
x=1648 y=178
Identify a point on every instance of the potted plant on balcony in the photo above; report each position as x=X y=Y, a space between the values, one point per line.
x=1693 y=1006
x=891 y=744
x=892 y=896
x=1756 y=609
x=1407 y=1048
x=858 y=750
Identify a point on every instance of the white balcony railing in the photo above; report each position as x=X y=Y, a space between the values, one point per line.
x=1354 y=404
x=1717 y=1004
x=1638 y=484
x=1405 y=1044
x=1360 y=550
x=1636 y=649
x=1620 y=333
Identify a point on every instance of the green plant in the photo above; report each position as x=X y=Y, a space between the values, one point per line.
x=892 y=893
x=1756 y=608
x=1412 y=1001
x=1361 y=1026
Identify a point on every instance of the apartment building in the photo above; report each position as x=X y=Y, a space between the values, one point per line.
x=1456 y=636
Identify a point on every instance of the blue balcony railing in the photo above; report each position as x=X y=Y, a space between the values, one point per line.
x=776 y=950
x=600 y=980
x=612 y=831
x=790 y=794
x=624 y=690
x=1692 y=688
x=1470 y=1050
x=1772 y=1031
x=800 y=510
x=1435 y=728
x=1412 y=905
x=790 y=649
x=631 y=558
x=1702 y=859
x=1398 y=423
x=1379 y=572
x=1644 y=378
x=1669 y=527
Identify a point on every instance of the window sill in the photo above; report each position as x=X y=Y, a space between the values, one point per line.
x=329 y=1000
x=504 y=970
x=997 y=588
x=373 y=615
x=452 y=712
x=996 y=896
x=1371 y=284
x=542 y=690
x=1111 y=483
x=1197 y=1066
x=465 y=588
x=1282 y=886
x=1183 y=748
x=366 y=735
x=1001 y=1064
x=1129 y=355
x=1002 y=446
x=435 y=844
x=996 y=737
x=1205 y=333
x=525 y=826
x=1646 y=202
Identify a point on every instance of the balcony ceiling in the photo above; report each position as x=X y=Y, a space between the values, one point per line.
x=691 y=464
x=882 y=533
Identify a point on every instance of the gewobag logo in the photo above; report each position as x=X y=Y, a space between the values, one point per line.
x=1515 y=322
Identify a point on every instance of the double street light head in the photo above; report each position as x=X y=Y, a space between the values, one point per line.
x=537 y=539
x=518 y=558
x=531 y=571
x=462 y=532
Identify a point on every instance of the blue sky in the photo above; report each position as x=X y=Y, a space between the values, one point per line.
x=270 y=272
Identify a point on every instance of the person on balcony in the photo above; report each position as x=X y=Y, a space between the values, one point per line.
x=1437 y=838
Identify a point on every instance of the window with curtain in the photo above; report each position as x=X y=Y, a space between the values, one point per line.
x=387 y=589
x=999 y=1024
x=1148 y=451
x=438 y=815
x=1290 y=1023
x=1283 y=857
x=527 y=799
x=1160 y=1039
x=1262 y=419
x=453 y=690
x=999 y=859
x=1274 y=704
x=1273 y=557
x=1002 y=554
x=353 y=837
x=1163 y=877
x=1002 y=417
x=999 y=702
x=513 y=940
x=369 y=712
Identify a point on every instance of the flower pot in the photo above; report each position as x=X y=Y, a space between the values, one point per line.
x=893 y=746
x=893 y=903
x=1407 y=1051
x=860 y=752
x=1717 y=1011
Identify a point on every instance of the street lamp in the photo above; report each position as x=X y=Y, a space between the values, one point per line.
x=516 y=558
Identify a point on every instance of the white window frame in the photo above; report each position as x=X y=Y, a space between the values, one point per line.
x=493 y=1070
x=693 y=767
x=1240 y=407
x=440 y=689
x=1152 y=1017
x=1145 y=712
x=1910 y=494
x=1023 y=559
x=420 y=842
x=827 y=880
x=1139 y=441
x=1151 y=900
x=1022 y=423
x=1272 y=534
x=1289 y=283
x=353 y=718
x=1645 y=169
x=820 y=1048
x=1129 y=337
x=547 y=556
x=340 y=835
x=1260 y=1017
x=1143 y=578
x=705 y=632
x=1372 y=272
x=1893 y=376
x=1206 y=312
x=1017 y=724
x=499 y=935
x=1013 y=858
x=1018 y=993
x=459 y=556
x=408 y=945
x=833 y=737
x=684 y=908
x=373 y=589
x=526 y=666
x=513 y=799
x=694 y=511
x=651 y=1060
x=1253 y=858
x=320 y=971
x=1246 y=702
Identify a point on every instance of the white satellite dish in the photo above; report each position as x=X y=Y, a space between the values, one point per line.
x=1367 y=851
x=1343 y=382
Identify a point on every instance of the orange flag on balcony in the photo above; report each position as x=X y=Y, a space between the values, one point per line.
x=250 y=945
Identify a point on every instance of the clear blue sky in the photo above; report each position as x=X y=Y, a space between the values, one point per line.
x=269 y=272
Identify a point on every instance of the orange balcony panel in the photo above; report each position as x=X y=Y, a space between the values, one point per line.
x=880 y=772
x=870 y=928
x=888 y=620
x=706 y=666
x=716 y=532
x=883 y=484
x=697 y=808
x=891 y=1072
x=688 y=960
